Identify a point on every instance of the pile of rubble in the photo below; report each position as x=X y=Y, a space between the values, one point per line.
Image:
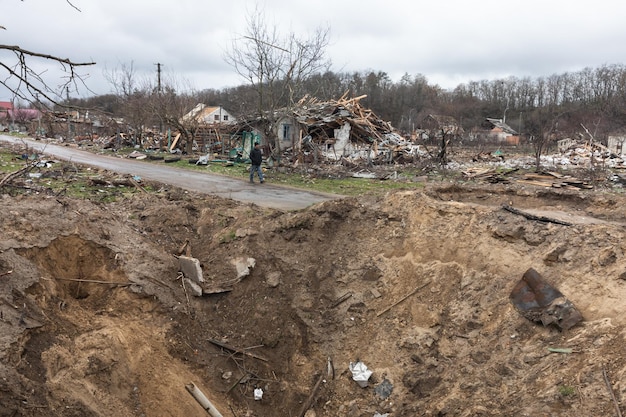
x=541 y=179
x=345 y=130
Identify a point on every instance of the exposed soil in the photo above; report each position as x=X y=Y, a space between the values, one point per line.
x=328 y=282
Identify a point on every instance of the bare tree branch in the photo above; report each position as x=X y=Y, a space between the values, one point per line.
x=24 y=52
x=23 y=82
x=276 y=66
x=70 y=3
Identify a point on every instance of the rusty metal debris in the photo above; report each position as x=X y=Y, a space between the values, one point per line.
x=539 y=301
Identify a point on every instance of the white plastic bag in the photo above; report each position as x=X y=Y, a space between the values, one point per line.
x=360 y=373
x=258 y=394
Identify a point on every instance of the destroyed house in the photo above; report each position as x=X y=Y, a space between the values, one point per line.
x=342 y=124
x=212 y=127
x=335 y=129
x=501 y=132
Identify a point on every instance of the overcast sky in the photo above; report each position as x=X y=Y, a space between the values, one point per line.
x=448 y=41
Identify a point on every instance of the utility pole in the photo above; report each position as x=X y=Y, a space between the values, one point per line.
x=160 y=104
x=37 y=107
x=69 y=115
x=158 y=65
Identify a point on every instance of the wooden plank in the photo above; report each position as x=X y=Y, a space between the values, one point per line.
x=174 y=142
x=355 y=99
x=538 y=177
x=539 y=183
x=556 y=174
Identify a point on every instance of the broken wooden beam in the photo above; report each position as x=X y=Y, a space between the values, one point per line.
x=137 y=185
x=174 y=142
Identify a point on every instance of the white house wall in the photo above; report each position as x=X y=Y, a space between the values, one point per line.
x=210 y=118
x=343 y=146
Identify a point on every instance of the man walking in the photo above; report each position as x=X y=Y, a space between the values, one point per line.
x=257 y=158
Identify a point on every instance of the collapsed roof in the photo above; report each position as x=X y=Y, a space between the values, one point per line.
x=500 y=124
x=322 y=118
x=344 y=129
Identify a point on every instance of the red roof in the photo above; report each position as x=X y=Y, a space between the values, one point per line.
x=6 y=105
x=24 y=114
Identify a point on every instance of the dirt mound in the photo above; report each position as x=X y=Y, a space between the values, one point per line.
x=96 y=321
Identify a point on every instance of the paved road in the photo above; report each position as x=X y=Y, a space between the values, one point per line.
x=265 y=195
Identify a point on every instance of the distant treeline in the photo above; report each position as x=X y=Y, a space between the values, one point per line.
x=595 y=98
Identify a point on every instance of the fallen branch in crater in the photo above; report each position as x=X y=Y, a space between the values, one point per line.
x=533 y=217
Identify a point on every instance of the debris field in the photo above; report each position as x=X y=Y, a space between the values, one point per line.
x=100 y=313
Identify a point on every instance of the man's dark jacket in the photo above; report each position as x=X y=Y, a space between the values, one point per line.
x=256 y=156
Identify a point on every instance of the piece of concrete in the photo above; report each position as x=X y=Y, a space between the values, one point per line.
x=273 y=279
x=190 y=267
x=243 y=266
x=193 y=288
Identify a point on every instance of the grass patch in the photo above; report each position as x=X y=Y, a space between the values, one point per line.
x=344 y=186
x=9 y=163
x=80 y=186
x=566 y=390
x=228 y=237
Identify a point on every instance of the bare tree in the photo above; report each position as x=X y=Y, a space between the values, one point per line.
x=542 y=125
x=277 y=66
x=443 y=129
x=134 y=95
x=171 y=104
x=146 y=105
x=18 y=76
